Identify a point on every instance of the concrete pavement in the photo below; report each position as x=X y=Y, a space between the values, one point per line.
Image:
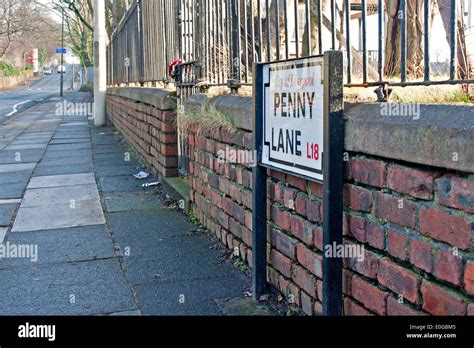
x=104 y=245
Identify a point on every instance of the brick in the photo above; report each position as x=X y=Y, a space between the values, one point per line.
x=440 y=225
x=438 y=300
x=301 y=229
x=309 y=259
x=420 y=254
x=281 y=263
x=399 y=280
x=357 y=198
x=235 y=228
x=375 y=234
x=227 y=205
x=247 y=198
x=307 y=304
x=368 y=266
x=369 y=295
x=409 y=181
x=456 y=192
x=354 y=309
x=300 y=203
x=284 y=243
x=297 y=182
x=277 y=175
x=397 y=244
x=469 y=277
x=368 y=171
x=235 y=192
x=281 y=218
x=289 y=198
x=290 y=290
x=224 y=185
x=273 y=277
x=470 y=309
x=396 y=308
x=278 y=192
x=317 y=189
x=318 y=237
x=346 y=282
x=448 y=266
x=396 y=210
x=304 y=279
x=216 y=198
x=318 y=308
x=223 y=219
x=313 y=211
x=357 y=228
x=246 y=236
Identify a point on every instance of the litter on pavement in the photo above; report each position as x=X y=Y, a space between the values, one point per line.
x=141 y=175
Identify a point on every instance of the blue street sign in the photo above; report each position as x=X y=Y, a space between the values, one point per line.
x=60 y=50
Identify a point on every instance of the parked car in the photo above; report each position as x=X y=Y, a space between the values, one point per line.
x=47 y=70
x=61 y=69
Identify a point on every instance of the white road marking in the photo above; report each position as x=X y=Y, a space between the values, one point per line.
x=15 y=108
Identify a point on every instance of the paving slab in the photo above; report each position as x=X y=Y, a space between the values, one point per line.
x=147 y=228
x=98 y=287
x=63 y=170
x=6 y=213
x=17 y=167
x=12 y=190
x=198 y=295
x=69 y=147
x=64 y=245
x=70 y=141
x=62 y=180
x=120 y=183
x=61 y=154
x=60 y=196
x=86 y=213
x=15 y=177
x=3 y=233
x=66 y=161
x=26 y=146
x=116 y=170
x=128 y=201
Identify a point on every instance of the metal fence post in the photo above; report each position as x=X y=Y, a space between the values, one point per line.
x=141 y=46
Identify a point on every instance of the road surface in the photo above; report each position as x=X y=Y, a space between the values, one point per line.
x=20 y=99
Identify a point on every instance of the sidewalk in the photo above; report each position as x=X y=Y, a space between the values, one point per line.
x=104 y=244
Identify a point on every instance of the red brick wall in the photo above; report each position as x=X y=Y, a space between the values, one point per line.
x=416 y=226
x=152 y=132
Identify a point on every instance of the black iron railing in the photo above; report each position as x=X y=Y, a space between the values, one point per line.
x=227 y=36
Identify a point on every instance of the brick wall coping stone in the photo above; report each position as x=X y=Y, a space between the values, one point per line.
x=163 y=99
x=441 y=132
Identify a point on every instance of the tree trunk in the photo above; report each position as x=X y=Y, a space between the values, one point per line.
x=463 y=61
x=414 y=34
x=314 y=30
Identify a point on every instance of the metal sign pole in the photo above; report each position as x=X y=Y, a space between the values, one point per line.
x=322 y=129
x=333 y=167
x=259 y=195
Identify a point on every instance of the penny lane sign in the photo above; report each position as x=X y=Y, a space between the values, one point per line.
x=299 y=130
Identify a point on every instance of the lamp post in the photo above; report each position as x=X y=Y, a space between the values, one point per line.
x=62 y=53
x=100 y=63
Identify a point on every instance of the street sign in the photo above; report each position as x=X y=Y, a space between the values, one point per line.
x=61 y=50
x=299 y=130
x=293 y=117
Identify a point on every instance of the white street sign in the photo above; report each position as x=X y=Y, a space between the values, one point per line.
x=293 y=116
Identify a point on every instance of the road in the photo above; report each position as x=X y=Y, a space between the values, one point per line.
x=20 y=99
